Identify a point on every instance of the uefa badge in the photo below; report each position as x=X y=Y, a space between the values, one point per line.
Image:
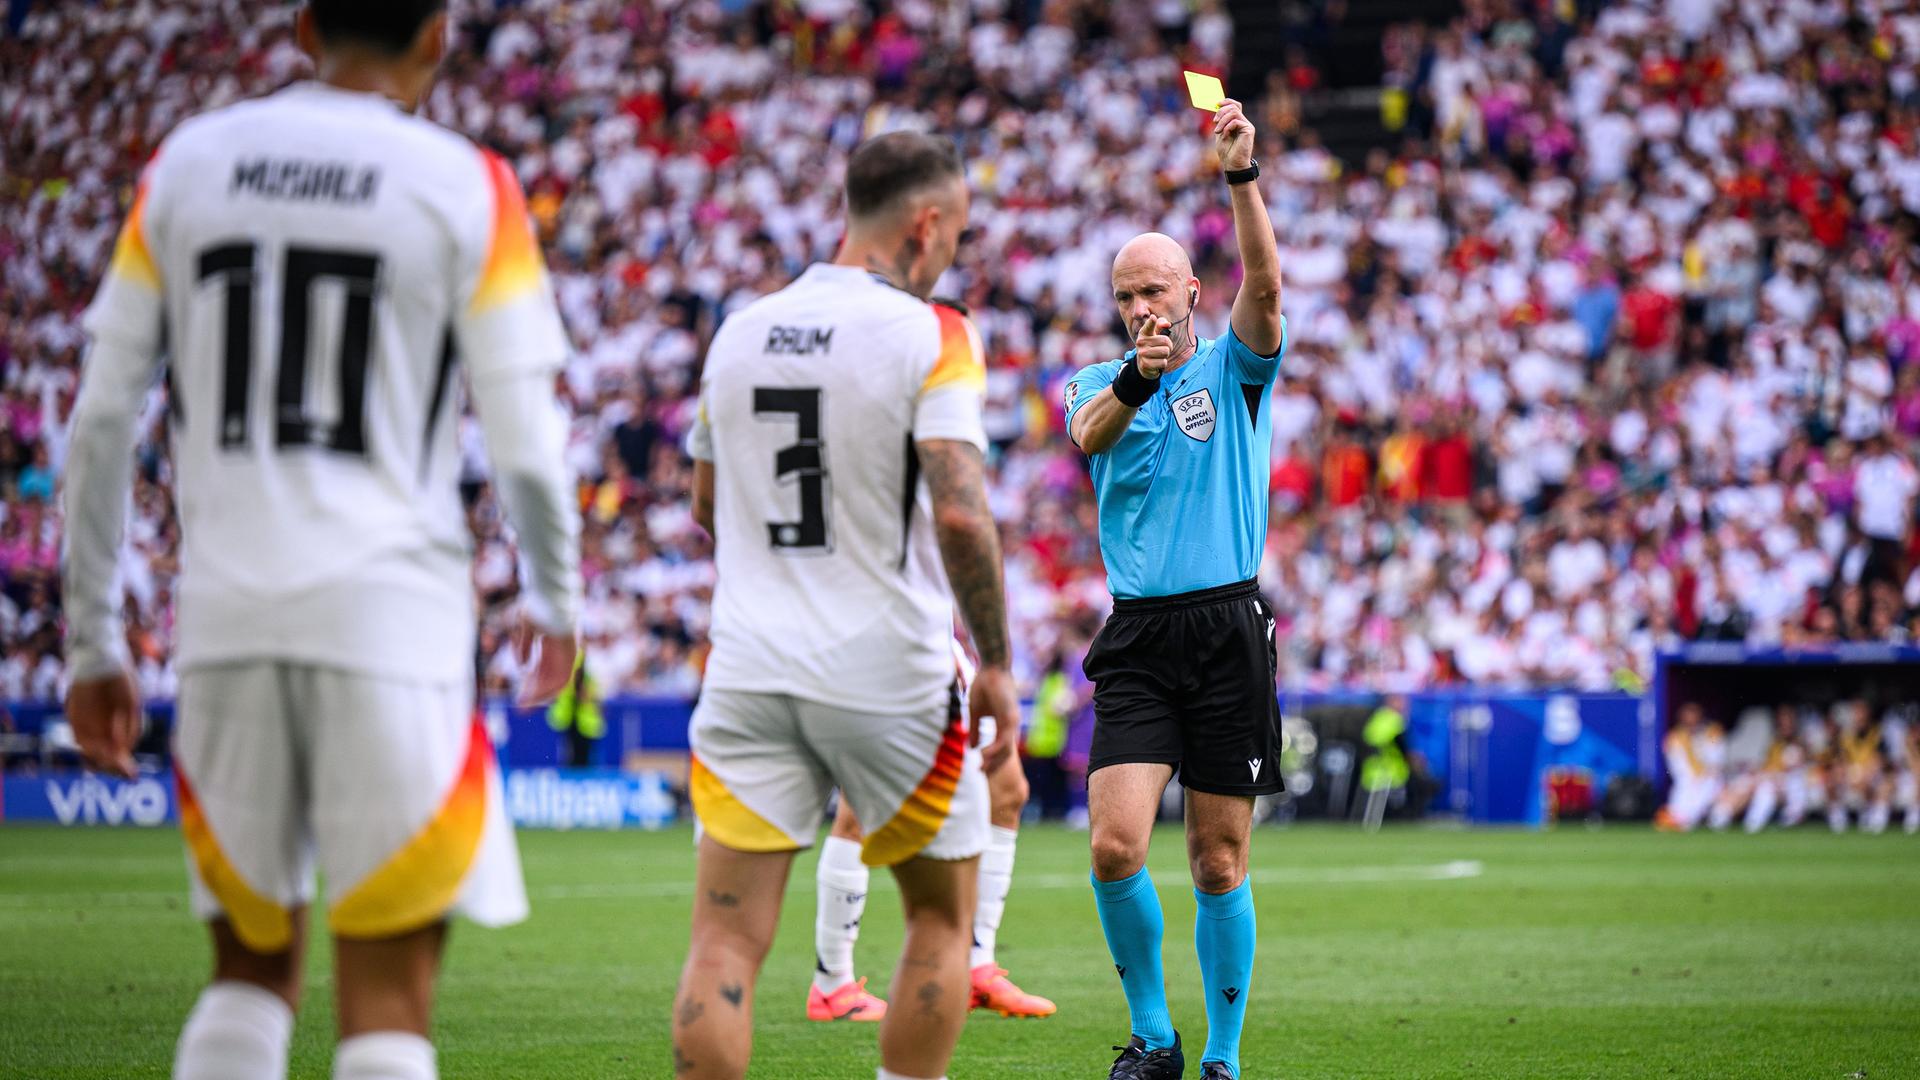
x=1194 y=414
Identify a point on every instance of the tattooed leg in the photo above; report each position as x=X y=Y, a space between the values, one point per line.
x=931 y=990
x=736 y=907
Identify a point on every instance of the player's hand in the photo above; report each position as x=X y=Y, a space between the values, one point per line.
x=1152 y=348
x=992 y=695
x=548 y=660
x=1232 y=136
x=106 y=719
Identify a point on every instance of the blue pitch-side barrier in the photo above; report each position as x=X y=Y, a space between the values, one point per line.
x=535 y=799
x=1488 y=750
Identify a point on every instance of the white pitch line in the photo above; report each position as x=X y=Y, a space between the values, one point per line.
x=1457 y=870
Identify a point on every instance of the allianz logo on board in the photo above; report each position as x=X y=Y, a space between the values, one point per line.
x=543 y=799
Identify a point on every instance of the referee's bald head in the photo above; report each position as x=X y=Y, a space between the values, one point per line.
x=1152 y=276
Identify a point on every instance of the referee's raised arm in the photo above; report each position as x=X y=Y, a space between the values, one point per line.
x=1256 y=311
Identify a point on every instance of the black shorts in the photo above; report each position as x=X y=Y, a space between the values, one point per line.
x=1187 y=681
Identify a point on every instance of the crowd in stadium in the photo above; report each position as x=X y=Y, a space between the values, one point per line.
x=1615 y=349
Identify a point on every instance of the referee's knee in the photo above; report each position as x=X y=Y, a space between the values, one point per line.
x=1219 y=869
x=1117 y=855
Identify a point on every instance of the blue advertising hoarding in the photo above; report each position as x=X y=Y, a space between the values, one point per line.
x=77 y=798
x=1488 y=751
x=535 y=799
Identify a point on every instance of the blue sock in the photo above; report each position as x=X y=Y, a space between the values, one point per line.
x=1130 y=915
x=1223 y=936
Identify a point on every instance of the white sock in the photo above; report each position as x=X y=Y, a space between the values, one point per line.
x=885 y=1075
x=1837 y=818
x=842 y=879
x=1876 y=818
x=385 y=1055
x=236 y=1031
x=996 y=879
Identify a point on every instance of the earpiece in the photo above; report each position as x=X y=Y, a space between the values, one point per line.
x=1193 y=297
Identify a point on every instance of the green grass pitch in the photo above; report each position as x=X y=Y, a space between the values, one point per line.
x=1418 y=952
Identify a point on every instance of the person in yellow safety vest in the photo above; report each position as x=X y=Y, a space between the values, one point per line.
x=1385 y=771
x=1047 y=727
x=577 y=712
x=1386 y=766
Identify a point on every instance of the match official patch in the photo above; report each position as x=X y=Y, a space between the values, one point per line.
x=1073 y=394
x=1194 y=414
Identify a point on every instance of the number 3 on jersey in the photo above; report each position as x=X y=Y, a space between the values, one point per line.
x=359 y=273
x=804 y=463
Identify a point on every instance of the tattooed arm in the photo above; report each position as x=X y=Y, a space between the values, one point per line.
x=969 y=542
x=970 y=549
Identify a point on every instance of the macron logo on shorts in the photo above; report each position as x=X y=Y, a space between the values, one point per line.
x=1253 y=765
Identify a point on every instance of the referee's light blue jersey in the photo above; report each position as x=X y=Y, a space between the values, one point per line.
x=1183 y=494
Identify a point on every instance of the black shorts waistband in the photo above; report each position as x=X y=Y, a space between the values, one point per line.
x=1147 y=605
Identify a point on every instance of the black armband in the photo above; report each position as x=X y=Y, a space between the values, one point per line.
x=1132 y=388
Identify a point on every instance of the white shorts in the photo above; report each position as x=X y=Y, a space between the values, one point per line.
x=392 y=785
x=763 y=765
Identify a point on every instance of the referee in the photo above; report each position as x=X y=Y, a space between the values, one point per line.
x=1178 y=434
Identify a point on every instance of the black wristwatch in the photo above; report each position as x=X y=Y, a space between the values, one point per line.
x=1244 y=176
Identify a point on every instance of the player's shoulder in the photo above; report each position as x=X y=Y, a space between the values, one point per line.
x=955 y=325
x=201 y=135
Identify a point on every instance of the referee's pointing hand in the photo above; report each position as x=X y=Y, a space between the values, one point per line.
x=1153 y=348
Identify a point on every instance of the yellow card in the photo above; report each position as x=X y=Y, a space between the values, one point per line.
x=1205 y=90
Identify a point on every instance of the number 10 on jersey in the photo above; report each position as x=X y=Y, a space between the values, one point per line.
x=235 y=266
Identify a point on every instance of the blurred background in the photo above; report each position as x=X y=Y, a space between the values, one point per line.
x=1601 y=398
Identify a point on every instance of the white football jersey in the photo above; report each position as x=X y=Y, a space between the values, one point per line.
x=313 y=266
x=831 y=586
